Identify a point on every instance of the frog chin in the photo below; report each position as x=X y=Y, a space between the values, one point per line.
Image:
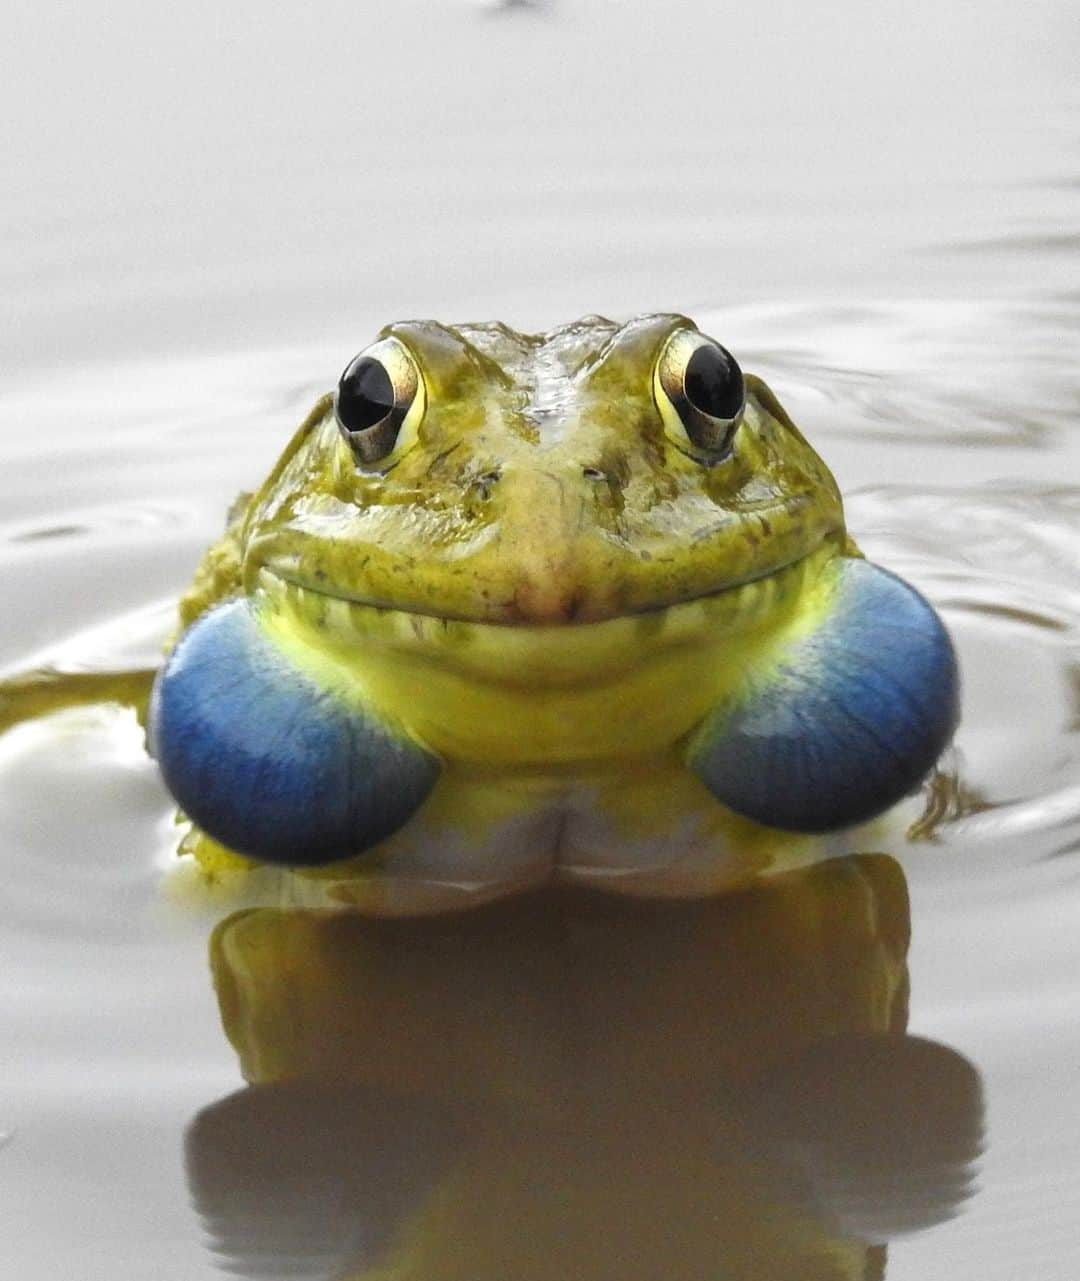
x=302 y=729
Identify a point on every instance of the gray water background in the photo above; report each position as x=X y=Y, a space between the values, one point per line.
x=207 y=211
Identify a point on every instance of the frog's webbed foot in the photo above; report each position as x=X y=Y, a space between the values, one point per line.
x=267 y=759
x=47 y=689
x=848 y=717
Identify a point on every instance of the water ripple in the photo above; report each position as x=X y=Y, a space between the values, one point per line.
x=1002 y=564
x=107 y=519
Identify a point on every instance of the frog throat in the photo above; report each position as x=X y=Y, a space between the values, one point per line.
x=300 y=728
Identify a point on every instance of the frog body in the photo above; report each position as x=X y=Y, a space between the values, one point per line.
x=512 y=607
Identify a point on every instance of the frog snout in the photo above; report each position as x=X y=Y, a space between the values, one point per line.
x=548 y=530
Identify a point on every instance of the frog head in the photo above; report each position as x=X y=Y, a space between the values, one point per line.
x=591 y=473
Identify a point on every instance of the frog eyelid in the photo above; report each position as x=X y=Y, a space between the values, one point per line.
x=401 y=387
x=703 y=436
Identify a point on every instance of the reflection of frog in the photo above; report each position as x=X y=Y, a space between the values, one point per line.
x=571 y=1085
x=513 y=608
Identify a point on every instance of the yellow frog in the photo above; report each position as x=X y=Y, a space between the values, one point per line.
x=513 y=608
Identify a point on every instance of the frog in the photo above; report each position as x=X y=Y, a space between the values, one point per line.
x=514 y=608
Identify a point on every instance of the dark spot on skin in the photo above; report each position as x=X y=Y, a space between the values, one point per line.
x=575 y=605
x=484 y=483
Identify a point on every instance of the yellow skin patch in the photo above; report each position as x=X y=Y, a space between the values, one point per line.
x=546 y=585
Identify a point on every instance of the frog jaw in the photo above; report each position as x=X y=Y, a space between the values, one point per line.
x=822 y=726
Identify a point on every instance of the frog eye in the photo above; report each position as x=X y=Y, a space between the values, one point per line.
x=379 y=394
x=699 y=391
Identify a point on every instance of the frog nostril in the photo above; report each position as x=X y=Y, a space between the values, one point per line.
x=593 y=473
x=485 y=482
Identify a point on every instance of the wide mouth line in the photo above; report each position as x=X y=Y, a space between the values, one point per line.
x=449 y=616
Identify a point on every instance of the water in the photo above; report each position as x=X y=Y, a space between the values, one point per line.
x=206 y=213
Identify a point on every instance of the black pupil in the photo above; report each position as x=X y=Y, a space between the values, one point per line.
x=365 y=394
x=713 y=382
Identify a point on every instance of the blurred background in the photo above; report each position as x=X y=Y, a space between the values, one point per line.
x=208 y=209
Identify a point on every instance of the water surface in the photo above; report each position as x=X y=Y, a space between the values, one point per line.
x=206 y=214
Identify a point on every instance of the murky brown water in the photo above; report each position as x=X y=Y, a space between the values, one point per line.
x=874 y=1065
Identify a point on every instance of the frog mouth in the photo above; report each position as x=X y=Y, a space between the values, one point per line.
x=541 y=567
x=530 y=603
x=314 y=621
x=302 y=728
